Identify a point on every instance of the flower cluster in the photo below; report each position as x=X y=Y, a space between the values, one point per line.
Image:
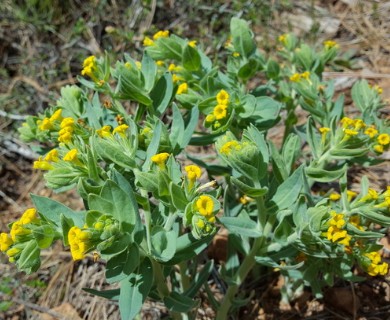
x=204 y=218
x=297 y=77
x=376 y=267
x=160 y=34
x=357 y=127
x=220 y=112
x=67 y=128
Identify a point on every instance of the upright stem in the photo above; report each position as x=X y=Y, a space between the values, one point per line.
x=249 y=260
x=148 y=220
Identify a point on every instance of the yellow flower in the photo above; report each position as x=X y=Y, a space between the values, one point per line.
x=174 y=68
x=193 y=172
x=337 y=220
x=104 y=132
x=160 y=63
x=28 y=216
x=283 y=38
x=148 y=42
x=296 y=77
x=378 y=89
x=371 y=132
x=68 y=129
x=358 y=124
x=200 y=224
x=346 y=122
x=71 y=156
x=210 y=118
x=161 y=34
x=46 y=124
x=57 y=115
x=138 y=64
x=89 y=67
x=78 y=250
x=350 y=133
x=121 y=130
x=160 y=159
x=5 y=241
x=378 y=269
x=13 y=252
x=351 y=194
x=176 y=78
x=183 y=88
x=245 y=199
x=383 y=139
x=73 y=234
x=305 y=75
x=384 y=204
x=42 y=164
x=67 y=122
x=355 y=221
x=223 y=97
x=334 y=196
x=329 y=44
x=52 y=155
x=378 y=148
x=229 y=146
x=324 y=130
x=220 y=111
x=235 y=54
x=371 y=195
x=192 y=43
x=17 y=229
x=205 y=205
x=346 y=241
x=128 y=65
x=66 y=137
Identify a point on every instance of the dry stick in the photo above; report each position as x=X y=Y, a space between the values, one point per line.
x=32 y=306
x=12 y=116
x=354 y=306
x=365 y=75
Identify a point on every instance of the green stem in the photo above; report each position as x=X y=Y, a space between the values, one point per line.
x=160 y=280
x=148 y=220
x=170 y=221
x=249 y=260
x=184 y=278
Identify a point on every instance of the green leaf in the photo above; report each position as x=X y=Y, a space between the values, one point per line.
x=52 y=211
x=29 y=259
x=242 y=37
x=162 y=93
x=362 y=95
x=179 y=199
x=188 y=247
x=249 y=69
x=163 y=243
x=177 y=128
x=200 y=278
x=108 y=294
x=322 y=175
x=241 y=225
x=273 y=69
x=179 y=303
x=149 y=70
x=191 y=58
x=124 y=207
x=189 y=130
x=348 y=153
x=288 y=192
x=291 y=151
x=248 y=190
x=376 y=217
x=122 y=265
x=153 y=146
x=313 y=138
x=134 y=290
x=44 y=235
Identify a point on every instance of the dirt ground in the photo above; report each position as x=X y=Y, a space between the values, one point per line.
x=362 y=28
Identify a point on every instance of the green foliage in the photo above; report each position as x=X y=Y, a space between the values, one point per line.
x=151 y=217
